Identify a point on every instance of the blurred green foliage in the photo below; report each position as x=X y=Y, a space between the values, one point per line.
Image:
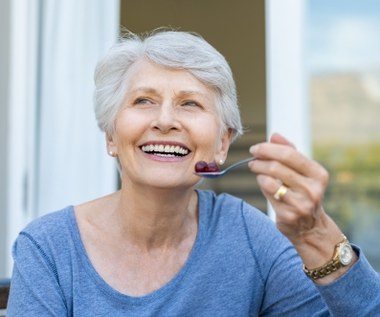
x=354 y=177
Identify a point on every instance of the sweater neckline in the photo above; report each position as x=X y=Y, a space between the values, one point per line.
x=162 y=291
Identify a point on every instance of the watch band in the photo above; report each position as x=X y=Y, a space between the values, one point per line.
x=332 y=266
x=323 y=270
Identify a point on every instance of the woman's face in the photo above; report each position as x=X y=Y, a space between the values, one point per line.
x=168 y=122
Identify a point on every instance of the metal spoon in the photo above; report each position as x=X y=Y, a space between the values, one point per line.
x=226 y=170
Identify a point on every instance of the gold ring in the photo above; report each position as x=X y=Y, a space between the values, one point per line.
x=281 y=192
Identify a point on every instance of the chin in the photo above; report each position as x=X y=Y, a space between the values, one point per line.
x=172 y=183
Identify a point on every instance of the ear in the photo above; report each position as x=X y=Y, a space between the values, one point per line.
x=111 y=145
x=224 y=146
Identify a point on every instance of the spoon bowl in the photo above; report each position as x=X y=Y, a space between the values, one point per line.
x=225 y=171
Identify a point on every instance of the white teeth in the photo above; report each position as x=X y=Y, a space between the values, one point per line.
x=170 y=149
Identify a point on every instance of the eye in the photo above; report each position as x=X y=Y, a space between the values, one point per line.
x=191 y=103
x=142 y=101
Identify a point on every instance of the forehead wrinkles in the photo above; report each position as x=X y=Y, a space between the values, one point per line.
x=147 y=74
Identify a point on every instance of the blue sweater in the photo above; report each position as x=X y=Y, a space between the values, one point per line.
x=240 y=265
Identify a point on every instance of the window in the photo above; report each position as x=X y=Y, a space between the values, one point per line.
x=343 y=59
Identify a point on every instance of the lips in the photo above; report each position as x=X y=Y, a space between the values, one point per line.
x=165 y=149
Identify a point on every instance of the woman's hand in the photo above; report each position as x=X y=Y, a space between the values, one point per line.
x=279 y=163
x=299 y=212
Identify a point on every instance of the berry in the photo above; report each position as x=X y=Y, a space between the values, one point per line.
x=212 y=167
x=201 y=166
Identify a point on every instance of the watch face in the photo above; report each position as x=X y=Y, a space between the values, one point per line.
x=346 y=254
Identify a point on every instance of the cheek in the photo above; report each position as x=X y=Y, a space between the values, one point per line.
x=208 y=134
x=128 y=127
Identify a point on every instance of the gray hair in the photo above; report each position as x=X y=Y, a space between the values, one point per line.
x=174 y=49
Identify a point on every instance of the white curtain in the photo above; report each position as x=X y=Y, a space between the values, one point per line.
x=72 y=164
x=54 y=153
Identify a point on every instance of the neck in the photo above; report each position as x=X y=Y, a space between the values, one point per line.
x=157 y=218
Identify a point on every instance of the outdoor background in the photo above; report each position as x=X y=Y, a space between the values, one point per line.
x=343 y=62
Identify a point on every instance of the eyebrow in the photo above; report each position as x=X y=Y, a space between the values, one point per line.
x=181 y=92
x=145 y=90
x=192 y=92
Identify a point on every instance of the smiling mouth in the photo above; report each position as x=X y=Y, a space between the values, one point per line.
x=165 y=150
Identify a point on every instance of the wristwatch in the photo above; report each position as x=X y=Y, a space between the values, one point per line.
x=343 y=256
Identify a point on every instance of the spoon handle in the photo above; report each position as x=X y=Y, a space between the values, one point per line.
x=240 y=163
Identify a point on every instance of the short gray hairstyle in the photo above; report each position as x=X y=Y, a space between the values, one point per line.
x=169 y=48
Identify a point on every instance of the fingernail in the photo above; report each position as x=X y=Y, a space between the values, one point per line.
x=252 y=149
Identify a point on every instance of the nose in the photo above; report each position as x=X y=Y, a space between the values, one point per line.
x=166 y=119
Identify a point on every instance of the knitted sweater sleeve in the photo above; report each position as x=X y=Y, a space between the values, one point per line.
x=356 y=293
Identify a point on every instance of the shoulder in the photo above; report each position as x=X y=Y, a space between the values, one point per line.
x=51 y=222
x=48 y=231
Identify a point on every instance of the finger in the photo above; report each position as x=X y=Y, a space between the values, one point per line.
x=279 y=171
x=288 y=156
x=304 y=188
x=280 y=139
x=294 y=211
x=270 y=187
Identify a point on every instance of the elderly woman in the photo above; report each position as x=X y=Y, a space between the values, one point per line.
x=161 y=247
